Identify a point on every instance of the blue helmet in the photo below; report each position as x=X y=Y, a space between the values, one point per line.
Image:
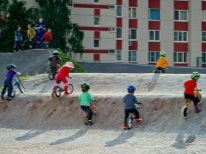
x=10 y=66
x=131 y=89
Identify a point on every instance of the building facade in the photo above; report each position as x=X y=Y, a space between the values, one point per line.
x=134 y=31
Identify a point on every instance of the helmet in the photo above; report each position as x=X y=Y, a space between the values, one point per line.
x=131 y=89
x=162 y=53
x=85 y=85
x=69 y=64
x=10 y=66
x=195 y=76
x=55 y=52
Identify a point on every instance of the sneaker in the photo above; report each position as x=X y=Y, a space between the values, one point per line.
x=90 y=122
x=198 y=110
x=139 y=121
x=8 y=98
x=125 y=126
x=2 y=97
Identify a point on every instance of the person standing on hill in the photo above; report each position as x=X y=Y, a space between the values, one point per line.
x=18 y=38
x=190 y=86
x=40 y=30
x=162 y=63
x=47 y=37
x=31 y=34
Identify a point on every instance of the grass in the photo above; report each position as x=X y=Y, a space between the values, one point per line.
x=65 y=58
x=24 y=77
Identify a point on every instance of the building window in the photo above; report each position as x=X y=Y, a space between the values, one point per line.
x=180 y=36
x=132 y=12
x=96 y=43
x=204 y=36
x=204 y=57
x=180 y=57
x=119 y=11
x=96 y=20
x=132 y=56
x=154 y=14
x=132 y=34
x=180 y=15
x=153 y=56
x=119 y=33
x=96 y=1
x=204 y=15
x=154 y=35
x=118 y=55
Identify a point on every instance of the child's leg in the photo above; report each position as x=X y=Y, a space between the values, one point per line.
x=66 y=86
x=135 y=112
x=4 y=88
x=88 y=110
x=57 y=83
x=126 y=115
x=10 y=88
x=196 y=101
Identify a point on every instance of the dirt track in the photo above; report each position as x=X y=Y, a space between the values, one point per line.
x=36 y=123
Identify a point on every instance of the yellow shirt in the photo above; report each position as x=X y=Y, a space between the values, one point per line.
x=31 y=33
x=162 y=63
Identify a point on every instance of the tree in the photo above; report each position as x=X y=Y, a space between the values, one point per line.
x=56 y=16
x=17 y=16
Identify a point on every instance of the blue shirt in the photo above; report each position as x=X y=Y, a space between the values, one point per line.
x=18 y=36
x=129 y=101
x=10 y=75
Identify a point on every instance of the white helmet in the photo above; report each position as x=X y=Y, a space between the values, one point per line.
x=69 y=64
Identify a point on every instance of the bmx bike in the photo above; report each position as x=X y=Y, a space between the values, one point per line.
x=52 y=74
x=186 y=107
x=132 y=116
x=94 y=110
x=17 y=83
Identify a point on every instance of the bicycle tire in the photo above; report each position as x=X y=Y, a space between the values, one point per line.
x=129 y=122
x=58 y=92
x=71 y=88
x=13 y=94
x=51 y=76
x=185 y=111
x=21 y=88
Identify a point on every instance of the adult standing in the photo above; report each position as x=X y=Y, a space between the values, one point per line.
x=40 y=30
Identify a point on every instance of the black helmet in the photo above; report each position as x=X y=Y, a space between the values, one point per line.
x=10 y=66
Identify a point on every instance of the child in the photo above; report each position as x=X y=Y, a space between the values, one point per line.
x=62 y=75
x=31 y=34
x=85 y=100
x=47 y=37
x=162 y=62
x=130 y=100
x=18 y=38
x=190 y=86
x=55 y=61
x=8 y=81
x=40 y=30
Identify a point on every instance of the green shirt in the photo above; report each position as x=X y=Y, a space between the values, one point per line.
x=85 y=99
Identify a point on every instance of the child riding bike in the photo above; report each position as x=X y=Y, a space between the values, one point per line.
x=62 y=76
x=190 y=86
x=162 y=63
x=8 y=81
x=129 y=106
x=85 y=100
x=55 y=61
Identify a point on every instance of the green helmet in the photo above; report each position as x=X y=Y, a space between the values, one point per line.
x=85 y=85
x=195 y=76
x=162 y=53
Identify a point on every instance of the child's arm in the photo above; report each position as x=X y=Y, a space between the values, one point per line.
x=18 y=73
x=167 y=63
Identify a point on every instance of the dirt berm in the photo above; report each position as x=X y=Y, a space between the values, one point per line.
x=161 y=96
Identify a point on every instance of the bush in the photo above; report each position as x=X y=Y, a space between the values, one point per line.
x=65 y=58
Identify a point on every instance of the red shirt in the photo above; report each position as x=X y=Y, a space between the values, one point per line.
x=190 y=86
x=47 y=37
x=64 y=71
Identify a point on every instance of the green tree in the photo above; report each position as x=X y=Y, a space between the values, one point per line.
x=56 y=16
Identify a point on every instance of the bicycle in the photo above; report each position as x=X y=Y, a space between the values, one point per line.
x=94 y=110
x=52 y=74
x=132 y=116
x=159 y=70
x=186 y=107
x=59 y=89
x=17 y=83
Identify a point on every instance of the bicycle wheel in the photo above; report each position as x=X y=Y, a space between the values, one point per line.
x=51 y=76
x=129 y=121
x=86 y=120
x=185 y=111
x=21 y=88
x=13 y=94
x=58 y=91
x=71 y=88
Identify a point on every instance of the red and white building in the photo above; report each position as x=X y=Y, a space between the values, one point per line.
x=134 y=31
